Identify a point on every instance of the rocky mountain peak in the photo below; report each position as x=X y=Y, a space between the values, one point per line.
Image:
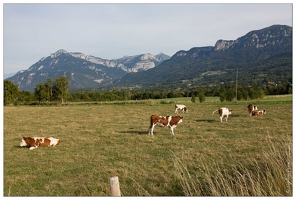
x=148 y=56
x=58 y=53
x=223 y=44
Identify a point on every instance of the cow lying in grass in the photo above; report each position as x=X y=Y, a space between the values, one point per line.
x=34 y=142
x=259 y=113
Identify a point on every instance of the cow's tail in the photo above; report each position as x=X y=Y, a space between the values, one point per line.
x=215 y=111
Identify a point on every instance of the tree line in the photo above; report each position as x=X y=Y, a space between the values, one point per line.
x=57 y=91
x=50 y=91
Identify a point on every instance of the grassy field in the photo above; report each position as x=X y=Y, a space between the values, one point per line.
x=246 y=156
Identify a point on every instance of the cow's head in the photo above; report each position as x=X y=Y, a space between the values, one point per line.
x=23 y=142
x=180 y=120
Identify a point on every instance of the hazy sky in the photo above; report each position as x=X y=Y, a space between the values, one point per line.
x=111 y=31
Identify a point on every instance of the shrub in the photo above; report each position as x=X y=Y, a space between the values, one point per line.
x=193 y=98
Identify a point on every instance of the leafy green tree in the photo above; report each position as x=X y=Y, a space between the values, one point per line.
x=61 y=87
x=252 y=93
x=229 y=95
x=85 y=96
x=222 y=94
x=25 y=96
x=256 y=92
x=193 y=100
x=288 y=88
x=49 y=89
x=40 y=92
x=10 y=92
x=244 y=92
x=261 y=93
x=201 y=95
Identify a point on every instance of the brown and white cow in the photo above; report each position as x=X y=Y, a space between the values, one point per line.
x=34 y=142
x=251 y=108
x=170 y=121
x=180 y=107
x=224 y=112
x=259 y=113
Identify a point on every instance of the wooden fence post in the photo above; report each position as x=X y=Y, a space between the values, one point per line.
x=114 y=185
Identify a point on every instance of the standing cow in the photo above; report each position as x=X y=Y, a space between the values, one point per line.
x=180 y=107
x=251 y=108
x=223 y=112
x=170 y=121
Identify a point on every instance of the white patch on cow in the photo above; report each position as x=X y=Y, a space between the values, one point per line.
x=159 y=124
x=181 y=120
x=172 y=130
x=169 y=120
x=53 y=141
x=23 y=143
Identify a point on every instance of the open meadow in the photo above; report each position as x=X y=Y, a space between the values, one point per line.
x=245 y=156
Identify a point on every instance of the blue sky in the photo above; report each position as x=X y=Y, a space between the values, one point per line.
x=111 y=31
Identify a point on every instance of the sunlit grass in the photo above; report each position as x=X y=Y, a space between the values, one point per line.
x=101 y=141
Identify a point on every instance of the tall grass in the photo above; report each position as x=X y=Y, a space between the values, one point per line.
x=268 y=173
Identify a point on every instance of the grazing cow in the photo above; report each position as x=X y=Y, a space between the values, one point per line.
x=223 y=112
x=251 y=108
x=259 y=113
x=170 y=121
x=34 y=142
x=180 y=107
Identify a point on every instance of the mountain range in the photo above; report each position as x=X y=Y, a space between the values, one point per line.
x=85 y=71
x=260 y=56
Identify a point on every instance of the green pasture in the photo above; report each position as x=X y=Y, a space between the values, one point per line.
x=100 y=140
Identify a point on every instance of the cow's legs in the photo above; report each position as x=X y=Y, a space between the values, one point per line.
x=171 y=130
x=221 y=117
x=151 y=130
x=31 y=148
x=226 y=117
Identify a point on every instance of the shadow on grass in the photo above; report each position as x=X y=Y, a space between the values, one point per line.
x=135 y=132
x=216 y=120
x=206 y=120
x=18 y=146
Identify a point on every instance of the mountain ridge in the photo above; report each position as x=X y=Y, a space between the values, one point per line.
x=200 y=66
x=85 y=71
x=225 y=56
